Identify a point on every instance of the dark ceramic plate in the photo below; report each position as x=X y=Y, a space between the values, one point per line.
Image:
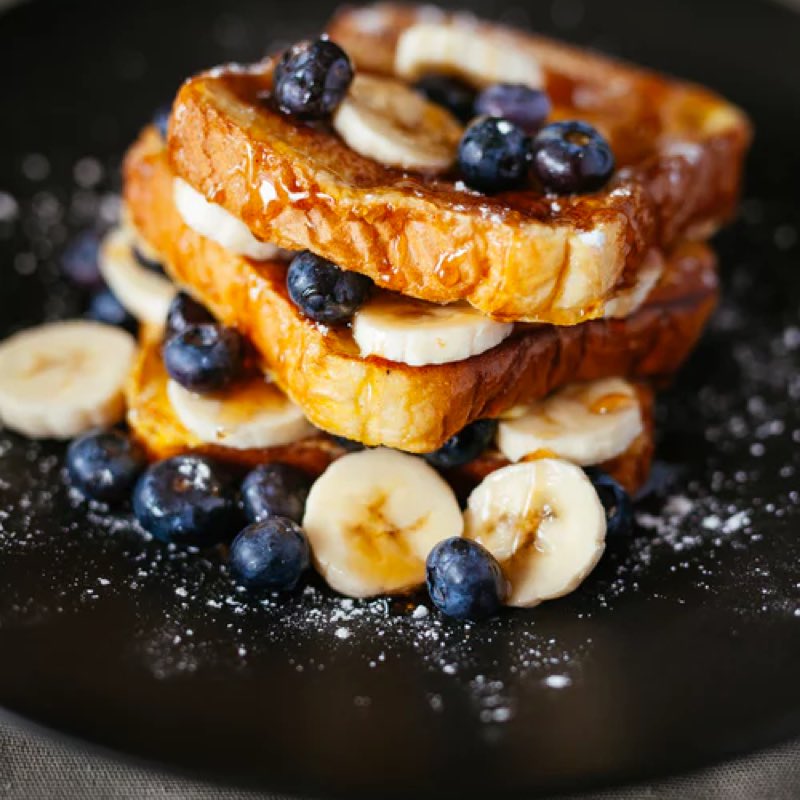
x=681 y=649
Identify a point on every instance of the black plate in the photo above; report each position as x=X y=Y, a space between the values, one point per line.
x=681 y=649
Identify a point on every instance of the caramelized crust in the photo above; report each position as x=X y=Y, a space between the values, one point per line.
x=411 y=408
x=517 y=255
x=158 y=429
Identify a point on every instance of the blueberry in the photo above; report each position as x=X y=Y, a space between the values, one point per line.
x=494 y=155
x=80 y=262
x=464 y=579
x=104 y=307
x=204 y=358
x=616 y=501
x=271 y=554
x=528 y=108
x=104 y=465
x=323 y=291
x=187 y=499
x=161 y=120
x=275 y=490
x=571 y=157
x=184 y=311
x=465 y=446
x=453 y=94
x=148 y=263
x=312 y=78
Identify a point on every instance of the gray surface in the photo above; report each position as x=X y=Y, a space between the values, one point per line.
x=35 y=768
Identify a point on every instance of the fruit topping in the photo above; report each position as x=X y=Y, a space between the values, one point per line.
x=323 y=291
x=271 y=554
x=494 y=155
x=312 y=78
x=188 y=500
x=464 y=579
x=204 y=358
x=571 y=157
x=104 y=465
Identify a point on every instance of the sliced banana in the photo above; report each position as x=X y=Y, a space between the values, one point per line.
x=255 y=415
x=385 y=120
x=479 y=56
x=144 y=293
x=214 y=222
x=61 y=379
x=624 y=303
x=586 y=423
x=373 y=517
x=415 y=332
x=543 y=521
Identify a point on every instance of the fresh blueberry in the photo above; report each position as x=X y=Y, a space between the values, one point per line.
x=616 y=501
x=312 y=78
x=184 y=311
x=188 y=500
x=453 y=94
x=528 y=108
x=464 y=579
x=465 y=446
x=104 y=465
x=80 y=262
x=147 y=262
x=275 y=490
x=161 y=120
x=204 y=358
x=494 y=155
x=104 y=307
x=571 y=157
x=323 y=291
x=271 y=554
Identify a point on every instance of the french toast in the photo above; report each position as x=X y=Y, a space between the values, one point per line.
x=516 y=255
x=416 y=409
x=156 y=426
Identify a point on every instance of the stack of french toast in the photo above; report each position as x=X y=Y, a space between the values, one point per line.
x=427 y=261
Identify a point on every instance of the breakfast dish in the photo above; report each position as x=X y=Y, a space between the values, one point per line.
x=375 y=281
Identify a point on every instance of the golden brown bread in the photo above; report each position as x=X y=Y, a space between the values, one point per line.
x=517 y=255
x=161 y=433
x=411 y=408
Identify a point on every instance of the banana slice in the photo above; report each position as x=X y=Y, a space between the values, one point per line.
x=144 y=293
x=254 y=415
x=586 y=423
x=478 y=56
x=373 y=517
x=61 y=379
x=384 y=119
x=416 y=333
x=214 y=222
x=543 y=521
x=629 y=300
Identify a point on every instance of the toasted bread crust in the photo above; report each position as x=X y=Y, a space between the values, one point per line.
x=515 y=256
x=411 y=408
x=157 y=428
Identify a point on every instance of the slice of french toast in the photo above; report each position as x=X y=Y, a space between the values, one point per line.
x=157 y=427
x=378 y=402
x=519 y=255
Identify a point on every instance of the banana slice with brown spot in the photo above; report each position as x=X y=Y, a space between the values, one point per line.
x=543 y=521
x=385 y=120
x=373 y=517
